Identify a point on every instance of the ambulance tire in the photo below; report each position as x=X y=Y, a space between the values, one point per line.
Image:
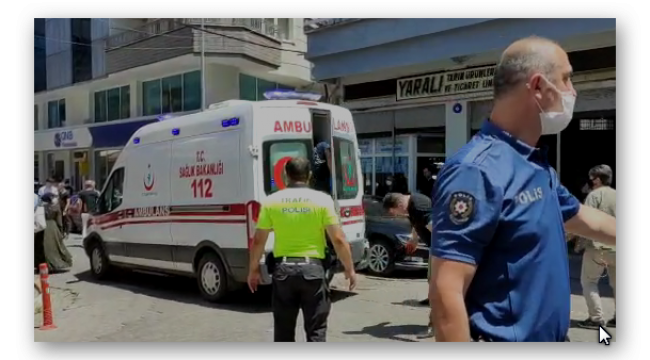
x=99 y=263
x=212 y=278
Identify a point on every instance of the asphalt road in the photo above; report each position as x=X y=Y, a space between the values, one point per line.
x=144 y=307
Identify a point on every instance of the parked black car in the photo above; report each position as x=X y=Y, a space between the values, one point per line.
x=387 y=236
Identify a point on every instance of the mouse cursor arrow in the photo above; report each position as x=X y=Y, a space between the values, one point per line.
x=603 y=336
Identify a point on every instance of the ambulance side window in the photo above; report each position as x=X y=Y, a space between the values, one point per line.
x=276 y=155
x=113 y=193
x=345 y=161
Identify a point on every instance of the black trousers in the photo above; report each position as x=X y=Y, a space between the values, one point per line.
x=299 y=286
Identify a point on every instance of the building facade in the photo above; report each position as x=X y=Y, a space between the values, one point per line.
x=134 y=71
x=420 y=88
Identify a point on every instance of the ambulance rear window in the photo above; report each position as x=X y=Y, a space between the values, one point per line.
x=347 y=181
x=276 y=155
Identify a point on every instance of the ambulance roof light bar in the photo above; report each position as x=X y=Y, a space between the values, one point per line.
x=291 y=95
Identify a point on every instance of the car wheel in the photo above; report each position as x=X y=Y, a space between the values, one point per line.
x=212 y=278
x=380 y=258
x=99 y=263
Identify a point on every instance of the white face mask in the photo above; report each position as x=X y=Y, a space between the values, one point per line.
x=389 y=183
x=555 y=122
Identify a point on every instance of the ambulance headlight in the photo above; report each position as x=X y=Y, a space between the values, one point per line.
x=291 y=95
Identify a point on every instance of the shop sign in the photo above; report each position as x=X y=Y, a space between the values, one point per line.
x=62 y=139
x=447 y=83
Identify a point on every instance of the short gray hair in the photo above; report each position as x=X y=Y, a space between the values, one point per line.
x=391 y=200
x=515 y=67
x=602 y=172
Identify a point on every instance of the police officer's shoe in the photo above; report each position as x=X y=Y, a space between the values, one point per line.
x=612 y=322
x=591 y=324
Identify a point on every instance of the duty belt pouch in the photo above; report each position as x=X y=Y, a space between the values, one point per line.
x=270 y=263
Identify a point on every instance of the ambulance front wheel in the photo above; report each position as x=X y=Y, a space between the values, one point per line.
x=212 y=278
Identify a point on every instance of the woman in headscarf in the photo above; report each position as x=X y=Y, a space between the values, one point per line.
x=57 y=256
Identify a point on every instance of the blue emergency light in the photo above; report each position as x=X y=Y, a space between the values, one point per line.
x=291 y=95
x=136 y=140
x=230 y=122
x=164 y=117
x=176 y=131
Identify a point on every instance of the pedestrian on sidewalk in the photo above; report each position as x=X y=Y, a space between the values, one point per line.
x=598 y=257
x=500 y=270
x=56 y=254
x=418 y=209
x=299 y=217
x=88 y=197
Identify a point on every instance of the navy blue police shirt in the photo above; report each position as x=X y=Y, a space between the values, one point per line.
x=499 y=205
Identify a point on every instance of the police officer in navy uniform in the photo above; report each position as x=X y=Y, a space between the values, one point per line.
x=500 y=268
x=299 y=217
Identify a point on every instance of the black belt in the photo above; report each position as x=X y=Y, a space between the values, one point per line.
x=298 y=260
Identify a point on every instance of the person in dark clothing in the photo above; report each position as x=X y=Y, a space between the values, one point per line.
x=418 y=209
x=299 y=217
x=427 y=187
x=322 y=165
x=89 y=197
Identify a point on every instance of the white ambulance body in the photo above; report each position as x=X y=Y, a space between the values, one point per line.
x=183 y=196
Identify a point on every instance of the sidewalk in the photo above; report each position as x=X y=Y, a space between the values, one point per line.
x=62 y=300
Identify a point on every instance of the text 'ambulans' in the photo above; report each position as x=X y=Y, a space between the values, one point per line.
x=151 y=211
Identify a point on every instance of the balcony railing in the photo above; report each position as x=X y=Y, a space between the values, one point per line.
x=162 y=26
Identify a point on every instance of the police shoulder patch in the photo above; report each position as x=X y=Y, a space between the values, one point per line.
x=461 y=207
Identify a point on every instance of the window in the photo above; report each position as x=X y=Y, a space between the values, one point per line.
x=112 y=196
x=275 y=151
x=384 y=170
x=172 y=94
x=35 y=117
x=284 y=29
x=40 y=68
x=104 y=161
x=80 y=37
x=347 y=181
x=253 y=89
x=56 y=114
x=113 y=104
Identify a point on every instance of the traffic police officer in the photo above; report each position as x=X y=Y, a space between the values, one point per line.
x=299 y=217
x=500 y=266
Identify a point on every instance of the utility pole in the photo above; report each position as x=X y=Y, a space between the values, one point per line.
x=203 y=99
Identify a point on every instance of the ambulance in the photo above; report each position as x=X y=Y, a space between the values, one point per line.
x=184 y=195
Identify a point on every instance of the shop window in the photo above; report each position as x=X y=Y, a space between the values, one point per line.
x=253 y=89
x=384 y=167
x=366 y=171
x=247 y=87
x=347 y=181
x=264 y=86
x=431 y=144
x=172 y=94
x=113 y=104
x=434 y=164
x=56 y=114
x=112 y=196
x=385 y=146
x=104 y=161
